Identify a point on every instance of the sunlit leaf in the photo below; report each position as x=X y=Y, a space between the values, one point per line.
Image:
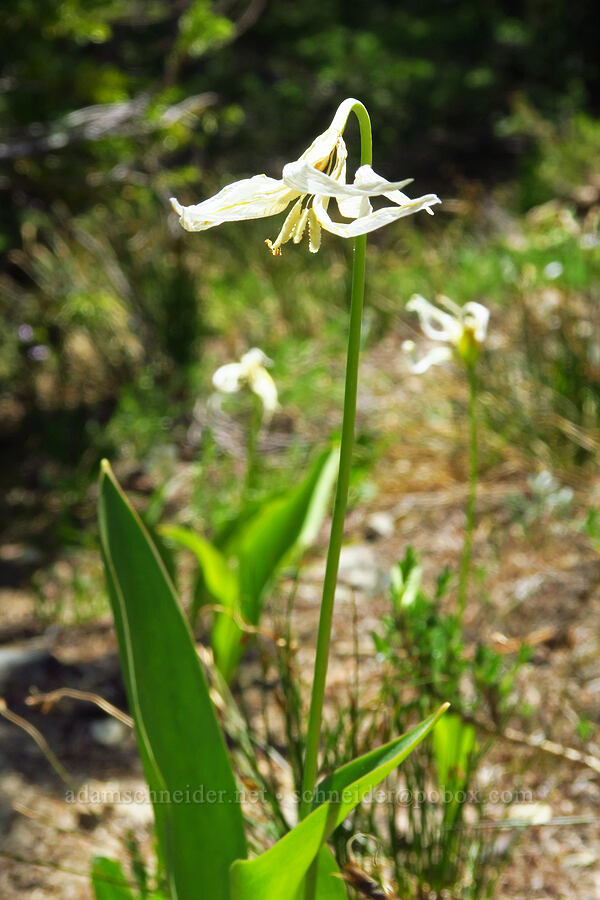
x=278 y=873
x=199 y=821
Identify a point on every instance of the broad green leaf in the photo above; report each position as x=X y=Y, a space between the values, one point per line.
x=278 y=873
x=329 y=885
x=199 y=820
x=220 y=579
x=109 y=881
x=222 y=585
x=272 y=535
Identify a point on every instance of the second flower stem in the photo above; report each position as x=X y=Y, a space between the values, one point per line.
x=465 y=567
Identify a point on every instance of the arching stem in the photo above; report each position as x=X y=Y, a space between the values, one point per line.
x=339 y=510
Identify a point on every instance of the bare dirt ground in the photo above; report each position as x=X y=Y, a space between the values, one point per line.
x=543 y=576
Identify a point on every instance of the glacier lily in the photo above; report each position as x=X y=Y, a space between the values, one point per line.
x=462 y=329
x=250 y=371
x=310 y=183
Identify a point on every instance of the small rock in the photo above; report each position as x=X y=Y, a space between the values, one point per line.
x=108 y=732
x=15 y=659
x=379 y=525
x=358 y=567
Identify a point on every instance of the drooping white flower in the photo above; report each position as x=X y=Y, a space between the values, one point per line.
x=310 y=183
x=250 y=371
x=462 y=329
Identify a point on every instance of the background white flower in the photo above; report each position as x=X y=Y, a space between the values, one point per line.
x=250 y=371
x=463 y=329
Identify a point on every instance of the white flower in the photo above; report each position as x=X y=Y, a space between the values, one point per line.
x=316 y=177
x=462 y=329
x=250 y=371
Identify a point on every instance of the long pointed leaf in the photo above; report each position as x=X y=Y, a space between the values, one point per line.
x=278 y=873
x=199 y=820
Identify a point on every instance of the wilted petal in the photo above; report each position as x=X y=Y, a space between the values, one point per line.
x=227 y=378
x=251 y=198
x=436 y=324
x=373 y=220
x=264 y=387
x=353 y=207
x=435 y=357
x=254 y=357
x=450 y=305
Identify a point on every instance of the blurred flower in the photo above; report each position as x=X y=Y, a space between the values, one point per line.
x=25 y=332
x=311 y=181
x=250 y=371
x=553 y=269
x=40 y=352
x=462 y=329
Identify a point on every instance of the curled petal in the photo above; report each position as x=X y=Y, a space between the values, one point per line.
x=436 y=324
x=264 y=387
x=251 y=198
x=228 y=378
x=353 y=207
x=450 y=305
x=476 y=316
x=254 y=357
x=306 y=179
x=342 y=113
x=435 y=356
x=373 y=220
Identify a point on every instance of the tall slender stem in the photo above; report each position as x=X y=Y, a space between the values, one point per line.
x=339 y=509
x=465 y=567
x=254 y=424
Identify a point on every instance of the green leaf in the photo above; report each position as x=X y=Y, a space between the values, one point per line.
x=220 y=579
x=282 y=527
x=278 y=873
x=453 y=749
x=199 y=820
x=109 y=881
x=221 y=583
x=329 y=885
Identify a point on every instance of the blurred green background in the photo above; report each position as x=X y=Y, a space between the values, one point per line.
x=114 y=318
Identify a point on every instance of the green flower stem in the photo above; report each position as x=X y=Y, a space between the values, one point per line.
x=254 y=426
x=465 y=567
x=339 y=509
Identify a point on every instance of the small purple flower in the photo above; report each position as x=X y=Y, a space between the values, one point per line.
x=40 y=352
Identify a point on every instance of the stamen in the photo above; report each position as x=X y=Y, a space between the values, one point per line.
x=287 y=230
x=314 y=232
x=301 y=226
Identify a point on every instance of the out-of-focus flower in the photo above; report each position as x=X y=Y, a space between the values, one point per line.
x=310 y=183
x=554 y=269
x=250 y=371
x=39 y=352
x=462 y=329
